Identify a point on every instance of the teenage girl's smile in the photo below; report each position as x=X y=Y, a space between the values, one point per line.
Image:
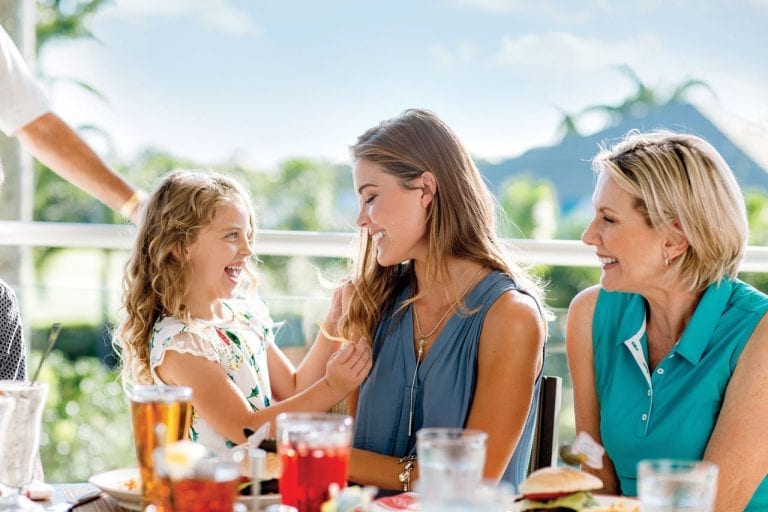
x=394 y=215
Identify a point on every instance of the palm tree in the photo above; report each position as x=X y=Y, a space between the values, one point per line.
x=644 y=98
x=568 y=124
x=53 y=22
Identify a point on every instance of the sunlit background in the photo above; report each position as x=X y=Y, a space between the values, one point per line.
x=275 y=92
x=265 y=81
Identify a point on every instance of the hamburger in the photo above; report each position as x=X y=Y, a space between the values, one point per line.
x=558 y=489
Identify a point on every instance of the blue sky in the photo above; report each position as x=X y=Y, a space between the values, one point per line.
x=260 y=81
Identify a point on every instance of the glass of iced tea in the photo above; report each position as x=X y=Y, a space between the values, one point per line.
x=212 y=487
x=314 y=453
x=170 y=406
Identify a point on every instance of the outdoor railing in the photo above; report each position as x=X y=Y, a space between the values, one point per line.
x=301 y=243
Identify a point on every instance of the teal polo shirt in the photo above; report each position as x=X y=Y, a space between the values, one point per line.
x=671 y=411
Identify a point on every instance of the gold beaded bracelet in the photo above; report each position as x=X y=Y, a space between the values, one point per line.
x=405 y=474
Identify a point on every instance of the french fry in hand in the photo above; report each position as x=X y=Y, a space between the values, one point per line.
x=330 y=337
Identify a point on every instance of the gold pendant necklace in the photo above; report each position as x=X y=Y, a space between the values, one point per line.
x=424 y=340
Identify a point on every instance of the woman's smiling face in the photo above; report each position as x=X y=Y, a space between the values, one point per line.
x=631 y=252
x=395 y=216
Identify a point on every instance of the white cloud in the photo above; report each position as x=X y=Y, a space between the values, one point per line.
x=216 y=14
x=497 y=5
x=558 y=53
x=552 y=10
x=464 y=53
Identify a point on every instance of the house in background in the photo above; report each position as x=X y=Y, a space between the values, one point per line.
x=568 y=166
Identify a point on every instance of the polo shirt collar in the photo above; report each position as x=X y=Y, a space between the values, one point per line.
x=632 y=325
x=704 y=321
x=699 y=330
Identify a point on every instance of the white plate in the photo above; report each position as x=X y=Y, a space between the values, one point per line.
x=604 y=500
x=408 y=502
x=123 y=485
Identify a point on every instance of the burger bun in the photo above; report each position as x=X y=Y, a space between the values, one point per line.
x=563 y=479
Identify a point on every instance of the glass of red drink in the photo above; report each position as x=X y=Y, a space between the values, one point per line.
x=314 y=453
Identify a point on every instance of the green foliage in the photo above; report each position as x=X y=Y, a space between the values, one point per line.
x=58 y=201
x=757 y=216
x=77 y=340
x=563 y=283
x=531 y=205
x=152 y=163
x=303 y=194
x=65 y=19
x=86 y=423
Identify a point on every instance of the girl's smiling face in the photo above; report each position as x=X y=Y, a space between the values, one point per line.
x=219 y=254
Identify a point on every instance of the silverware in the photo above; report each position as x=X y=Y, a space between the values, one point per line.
x=84 y=498
x=51 y=340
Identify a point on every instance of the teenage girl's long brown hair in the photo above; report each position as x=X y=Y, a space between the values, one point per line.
x=461 y=222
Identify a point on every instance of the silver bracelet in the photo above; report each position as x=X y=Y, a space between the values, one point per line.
x=405 y=475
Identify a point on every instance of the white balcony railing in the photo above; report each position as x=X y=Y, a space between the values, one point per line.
x=305 y=243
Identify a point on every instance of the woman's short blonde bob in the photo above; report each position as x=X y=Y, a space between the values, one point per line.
x=681 y=182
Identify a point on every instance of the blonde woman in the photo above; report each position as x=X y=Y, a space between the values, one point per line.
x=669 y=354
x=457 y=328
x=187 y=322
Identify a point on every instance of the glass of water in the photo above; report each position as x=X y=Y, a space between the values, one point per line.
x=451 y=462
x=666 y=485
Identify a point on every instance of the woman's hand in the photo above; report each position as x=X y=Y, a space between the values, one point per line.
x=348 y=366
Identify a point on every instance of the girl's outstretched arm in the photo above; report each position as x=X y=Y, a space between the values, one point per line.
x=285 y=379
x=220 y=403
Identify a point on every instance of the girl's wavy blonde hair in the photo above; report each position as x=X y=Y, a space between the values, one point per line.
x=156 y=279
x=461 y=222
x=680 y=182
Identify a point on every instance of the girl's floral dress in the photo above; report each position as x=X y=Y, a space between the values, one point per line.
x=239 y=345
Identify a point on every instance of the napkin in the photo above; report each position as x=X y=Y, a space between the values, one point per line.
x=404 y=502
x=39 y=491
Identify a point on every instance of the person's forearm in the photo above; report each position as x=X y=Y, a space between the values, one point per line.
x=60 y=148
x=369 y=468
x=313 y=366
x=320 y=397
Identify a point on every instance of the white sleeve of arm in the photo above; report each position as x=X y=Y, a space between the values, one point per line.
x=22 y=100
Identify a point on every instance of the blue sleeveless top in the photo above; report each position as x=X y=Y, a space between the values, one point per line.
x=671 y=412
x=445 y=383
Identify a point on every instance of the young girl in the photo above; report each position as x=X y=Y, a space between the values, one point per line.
x=184 y=326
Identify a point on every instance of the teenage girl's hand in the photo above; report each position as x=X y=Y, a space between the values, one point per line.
x=348 y=366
